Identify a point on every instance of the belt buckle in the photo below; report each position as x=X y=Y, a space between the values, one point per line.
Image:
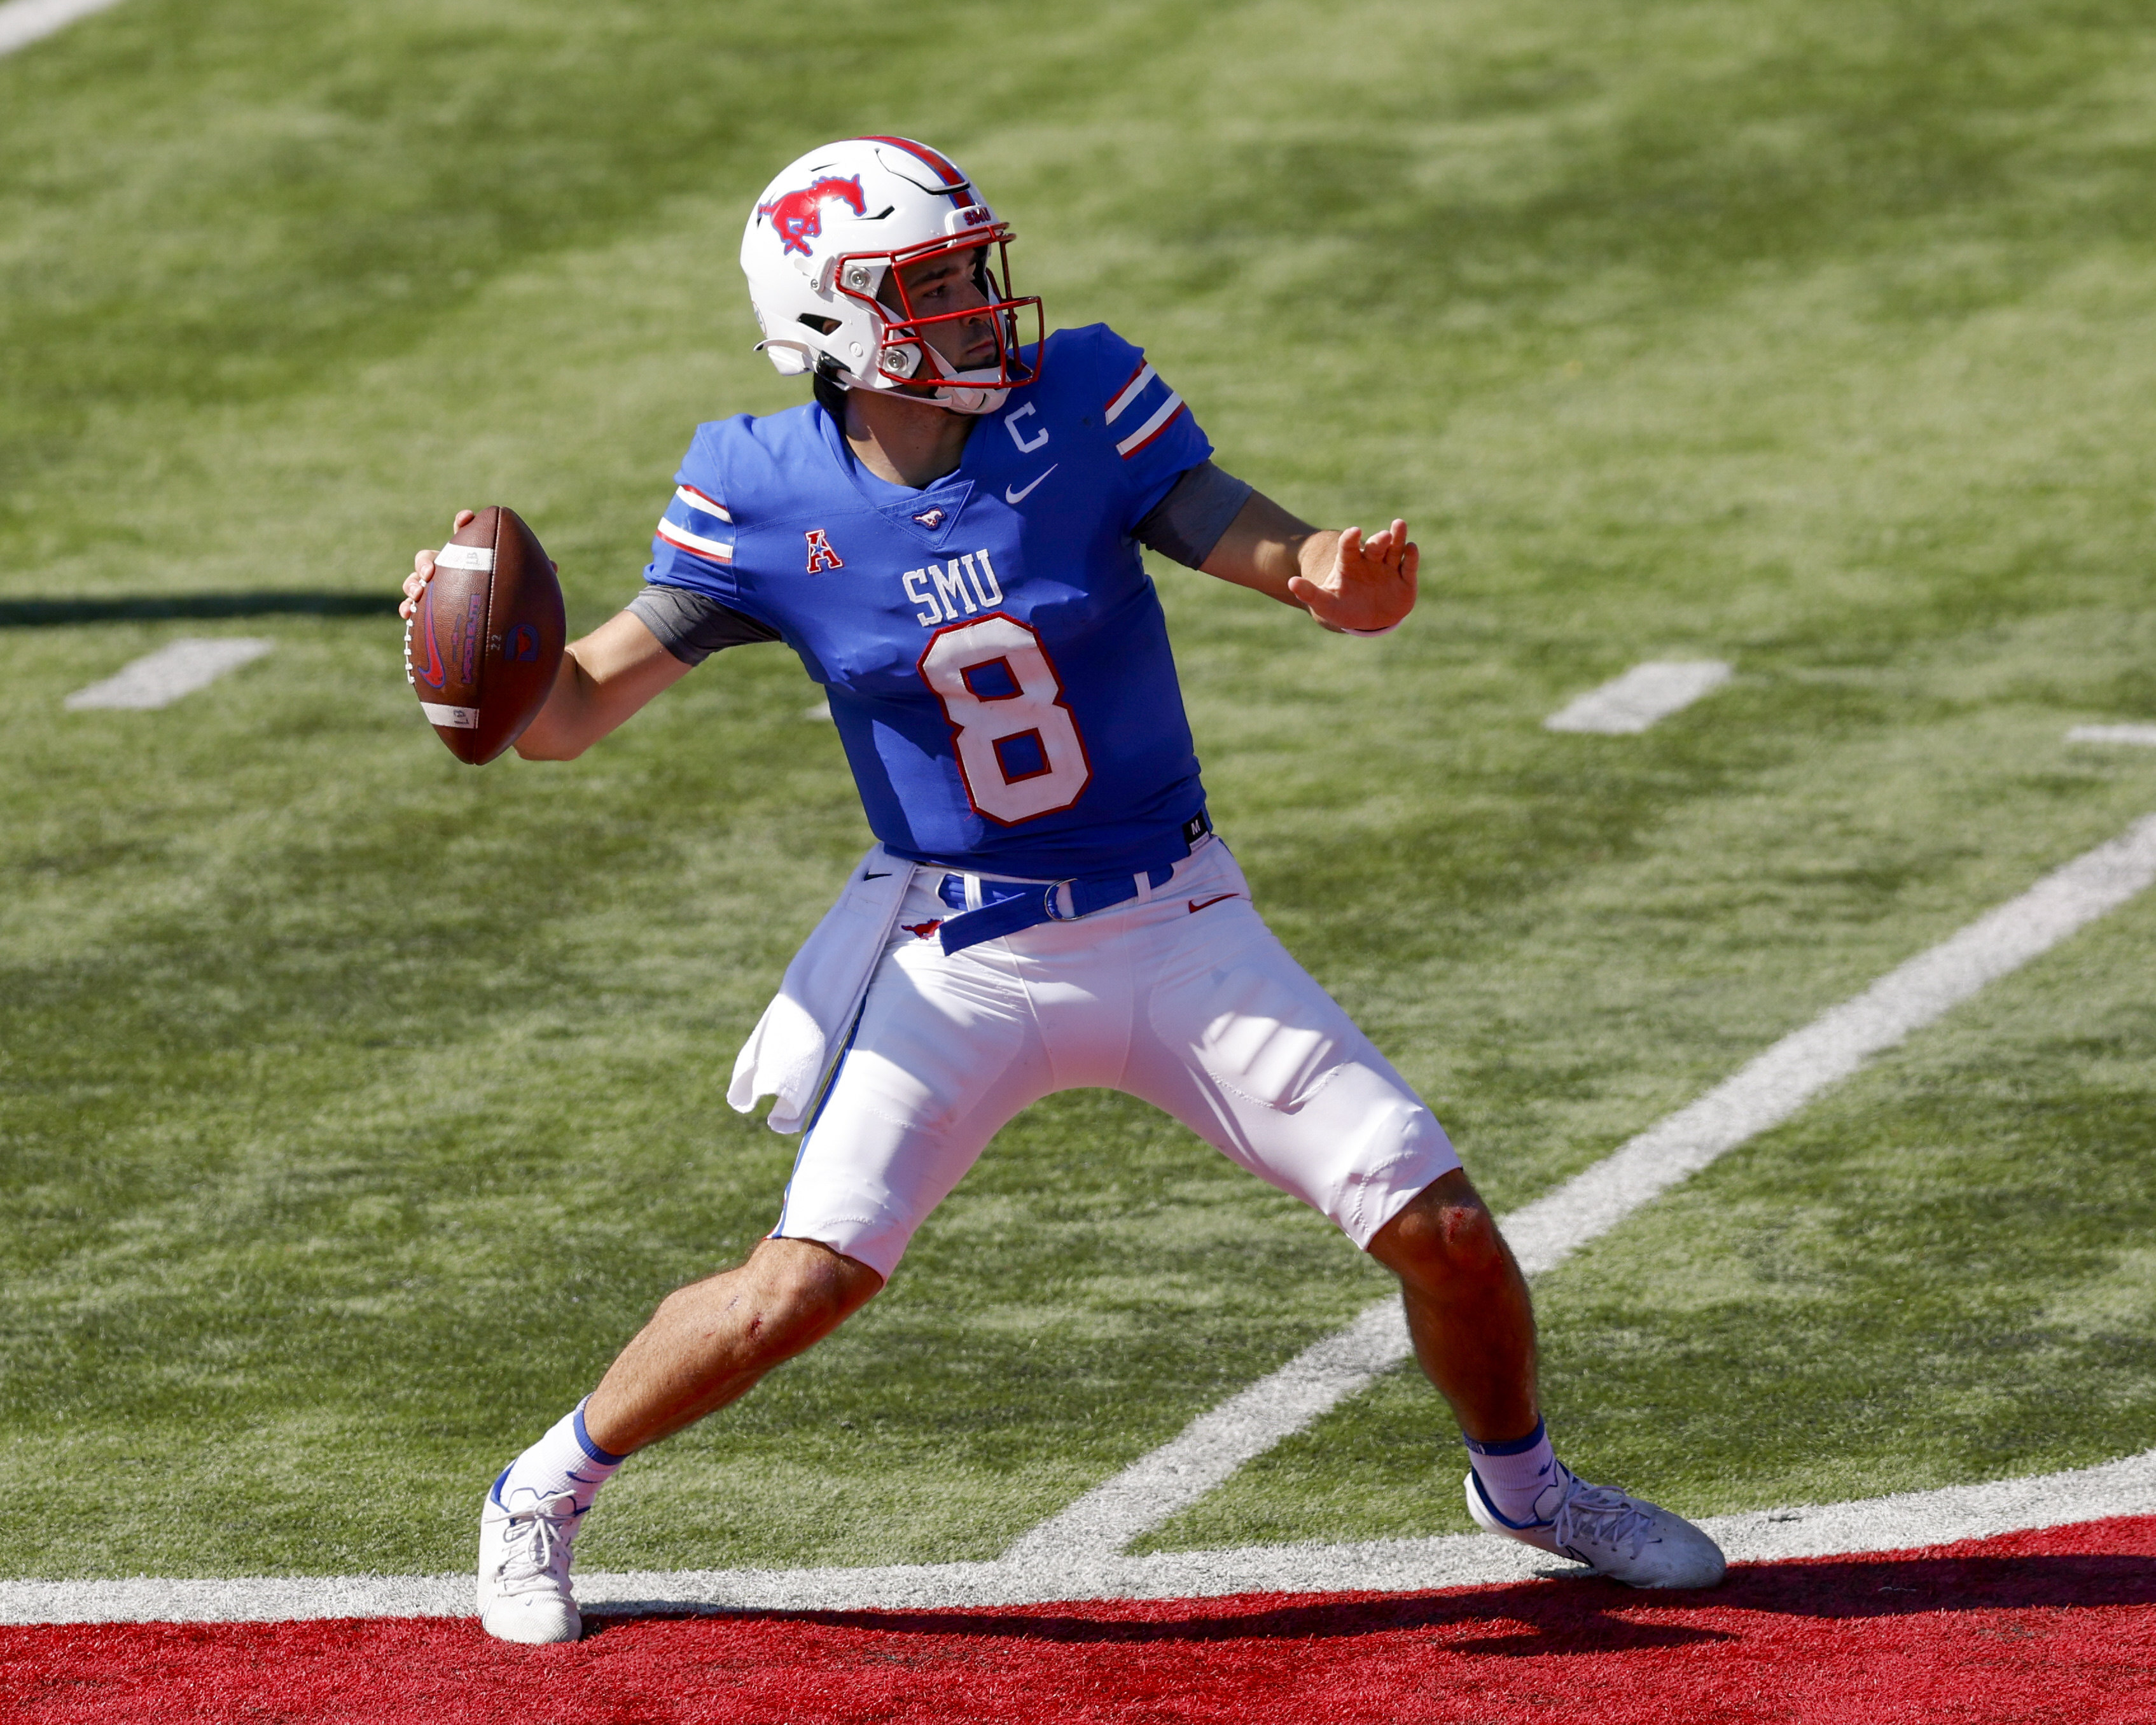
x=1048 y=901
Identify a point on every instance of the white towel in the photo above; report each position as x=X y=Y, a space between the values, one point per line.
x=799 y=1035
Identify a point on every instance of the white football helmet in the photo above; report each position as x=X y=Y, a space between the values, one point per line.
x=834 y=228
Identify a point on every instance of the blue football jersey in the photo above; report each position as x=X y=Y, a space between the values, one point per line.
x=994 y=652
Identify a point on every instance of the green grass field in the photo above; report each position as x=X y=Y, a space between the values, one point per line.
x=355 y=1105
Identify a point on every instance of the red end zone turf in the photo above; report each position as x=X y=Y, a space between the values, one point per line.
x=2054 y=1625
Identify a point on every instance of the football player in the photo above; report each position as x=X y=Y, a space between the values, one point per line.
x=949 y=536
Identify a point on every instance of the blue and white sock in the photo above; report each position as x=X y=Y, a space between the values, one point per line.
x=563 y=1463
x=1516 y=1477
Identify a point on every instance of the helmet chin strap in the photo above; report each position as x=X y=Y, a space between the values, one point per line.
x=971 y=401
x=956 y=391
x=952 y=391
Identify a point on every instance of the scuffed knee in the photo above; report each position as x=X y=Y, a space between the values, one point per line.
x=787 y=1298
x=799 y=1293
x=1445 y=1234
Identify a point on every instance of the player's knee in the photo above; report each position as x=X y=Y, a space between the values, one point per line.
x=1445 y=1234
x=801 y=1291
x=788 y=1296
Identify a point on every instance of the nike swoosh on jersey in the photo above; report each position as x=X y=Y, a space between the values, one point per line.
x=1195 y=908
x=1011 y=496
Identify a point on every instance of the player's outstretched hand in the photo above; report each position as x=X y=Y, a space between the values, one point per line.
x=422 y=570
x=1371 y=585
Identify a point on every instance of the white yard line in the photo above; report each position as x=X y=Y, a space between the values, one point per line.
x=2143 y=735
x=1215 y=1444
x=1630 y=704
x=1083 y=1561
x=1762 y=1093
x=1076 y=1555
x=1909 y=1522
x=161 y=678
x=22 y=22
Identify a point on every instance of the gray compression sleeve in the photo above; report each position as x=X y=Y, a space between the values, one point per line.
x=693 y=626
x=1188 y=522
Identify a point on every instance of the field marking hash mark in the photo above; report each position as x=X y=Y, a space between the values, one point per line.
x=1763 y=1093
x=2143 y=736
x=1628 y=705
x=178 y=668
x=22 y=22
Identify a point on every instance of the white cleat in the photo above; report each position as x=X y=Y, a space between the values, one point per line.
x=523 y=1572
x=1624 y=1538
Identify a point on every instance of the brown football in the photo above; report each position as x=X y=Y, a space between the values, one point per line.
x=482 y=649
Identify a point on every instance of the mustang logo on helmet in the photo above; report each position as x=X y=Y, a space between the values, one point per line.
x=798 y=216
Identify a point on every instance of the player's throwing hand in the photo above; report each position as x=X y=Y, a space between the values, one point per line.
x=1370 y=586
x=423 y=571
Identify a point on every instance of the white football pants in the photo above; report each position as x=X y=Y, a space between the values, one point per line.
x=1183 y=998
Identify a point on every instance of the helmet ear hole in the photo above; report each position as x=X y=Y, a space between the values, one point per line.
x=821 y=325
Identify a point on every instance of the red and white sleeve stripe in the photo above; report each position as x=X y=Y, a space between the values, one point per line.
x=1141 y=380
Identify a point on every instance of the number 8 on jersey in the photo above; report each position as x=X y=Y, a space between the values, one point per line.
x=1018 y=748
